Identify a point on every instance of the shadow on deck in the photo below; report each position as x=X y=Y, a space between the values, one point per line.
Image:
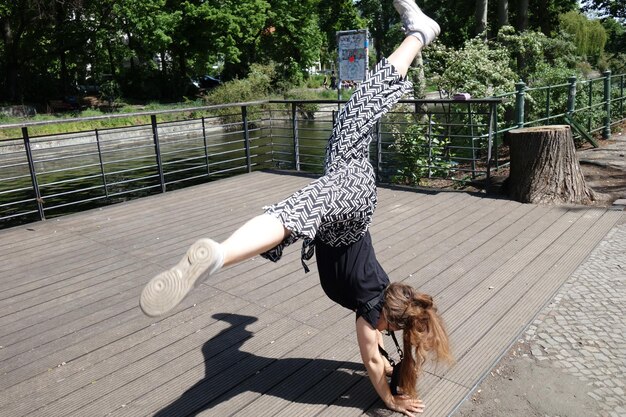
x=261 y=339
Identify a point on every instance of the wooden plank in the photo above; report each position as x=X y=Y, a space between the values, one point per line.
x=71 y=306
x=283 y=381
x=216 y=375
x=188 y=215
x=129 y=347
x=72 y=384
x=78 y=282
x=316 y=399
x=75 y=301
x=532 y=294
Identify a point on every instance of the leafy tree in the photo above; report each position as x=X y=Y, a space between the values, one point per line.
x=589 y=35
x=616 y=45
x=607 y=8
x=29 y=36
x=230 y=29
x=452 y=15
x=292 y=37
x=545 y=14
x=383 y=23
x=338 y=15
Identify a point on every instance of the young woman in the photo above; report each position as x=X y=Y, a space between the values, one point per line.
x=332 y=216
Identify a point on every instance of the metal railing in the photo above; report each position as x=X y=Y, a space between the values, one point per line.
x=596 y=104
x=43 y=176
x=441 y=135
x=47 y=175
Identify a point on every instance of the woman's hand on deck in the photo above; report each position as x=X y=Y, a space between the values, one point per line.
x=406 y=405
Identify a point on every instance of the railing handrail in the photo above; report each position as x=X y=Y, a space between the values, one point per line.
x=486 y=100
x=133 y=114
x=222 y=106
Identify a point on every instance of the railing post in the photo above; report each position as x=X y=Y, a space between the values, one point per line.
x=296 y=139
x=548 y=97
x=33 y=174
x=571 y=95
x=520 y=92
x=473 y=141
x=104 y=178
x=157 y=149
x=496 y=139
x=429 y=133
x=490 y=139
x=606 y=133
x=621 y=94
x=379 y=150
x=590 y=104
x=246 y=136
x=206 y=148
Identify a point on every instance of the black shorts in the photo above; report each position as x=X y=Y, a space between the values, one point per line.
x=352 y=276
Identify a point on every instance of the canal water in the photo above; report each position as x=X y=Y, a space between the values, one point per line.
x=83 y=170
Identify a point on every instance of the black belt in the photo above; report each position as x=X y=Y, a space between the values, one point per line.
x=363 y=309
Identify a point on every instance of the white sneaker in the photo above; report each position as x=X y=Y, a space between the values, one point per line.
x=415 y=22
x=167 y=290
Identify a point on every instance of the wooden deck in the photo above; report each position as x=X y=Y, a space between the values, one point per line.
x=261 y=339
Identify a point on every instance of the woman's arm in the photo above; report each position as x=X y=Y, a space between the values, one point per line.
x=367 y=338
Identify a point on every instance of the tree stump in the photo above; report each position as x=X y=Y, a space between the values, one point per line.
x=544 y=167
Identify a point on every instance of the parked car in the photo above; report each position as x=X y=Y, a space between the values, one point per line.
x=206 y=82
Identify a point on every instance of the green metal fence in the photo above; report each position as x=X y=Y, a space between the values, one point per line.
x=594 y=106
x=43 y=176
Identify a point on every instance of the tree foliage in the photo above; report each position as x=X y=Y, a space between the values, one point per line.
x=589 y=35
x=152 y=49
x=607 y=8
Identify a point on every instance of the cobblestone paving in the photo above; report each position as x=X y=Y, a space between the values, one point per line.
x=583 y=331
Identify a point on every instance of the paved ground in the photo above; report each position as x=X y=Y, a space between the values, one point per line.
x=605 y=167
x=612 y=155
x=571 y=361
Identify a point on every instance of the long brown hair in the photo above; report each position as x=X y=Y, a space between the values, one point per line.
x=423 y=331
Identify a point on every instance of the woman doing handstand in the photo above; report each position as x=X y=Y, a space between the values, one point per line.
x=332 y=216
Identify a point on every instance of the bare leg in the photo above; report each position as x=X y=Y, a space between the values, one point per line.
x=256 y=236
x=403 y=56
x=206 y=257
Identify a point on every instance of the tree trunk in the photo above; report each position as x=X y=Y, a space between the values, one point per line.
x=503 y=13
x=59 y=22
x=522 y=15
x=11 y=66
x=480 y=14
x=544 y=167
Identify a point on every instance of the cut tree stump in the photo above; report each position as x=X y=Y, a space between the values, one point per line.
x=544 y=167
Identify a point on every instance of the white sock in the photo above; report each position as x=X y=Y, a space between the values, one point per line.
x=220 y=253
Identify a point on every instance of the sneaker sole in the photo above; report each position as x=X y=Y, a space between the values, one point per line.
x=429 y=22
x=166 y=290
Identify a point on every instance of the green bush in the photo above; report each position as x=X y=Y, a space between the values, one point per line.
x=617 y=63
x=315 y=81
x=479 y=68
x=419 y=156
x=257 y=86
x=307 y=110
